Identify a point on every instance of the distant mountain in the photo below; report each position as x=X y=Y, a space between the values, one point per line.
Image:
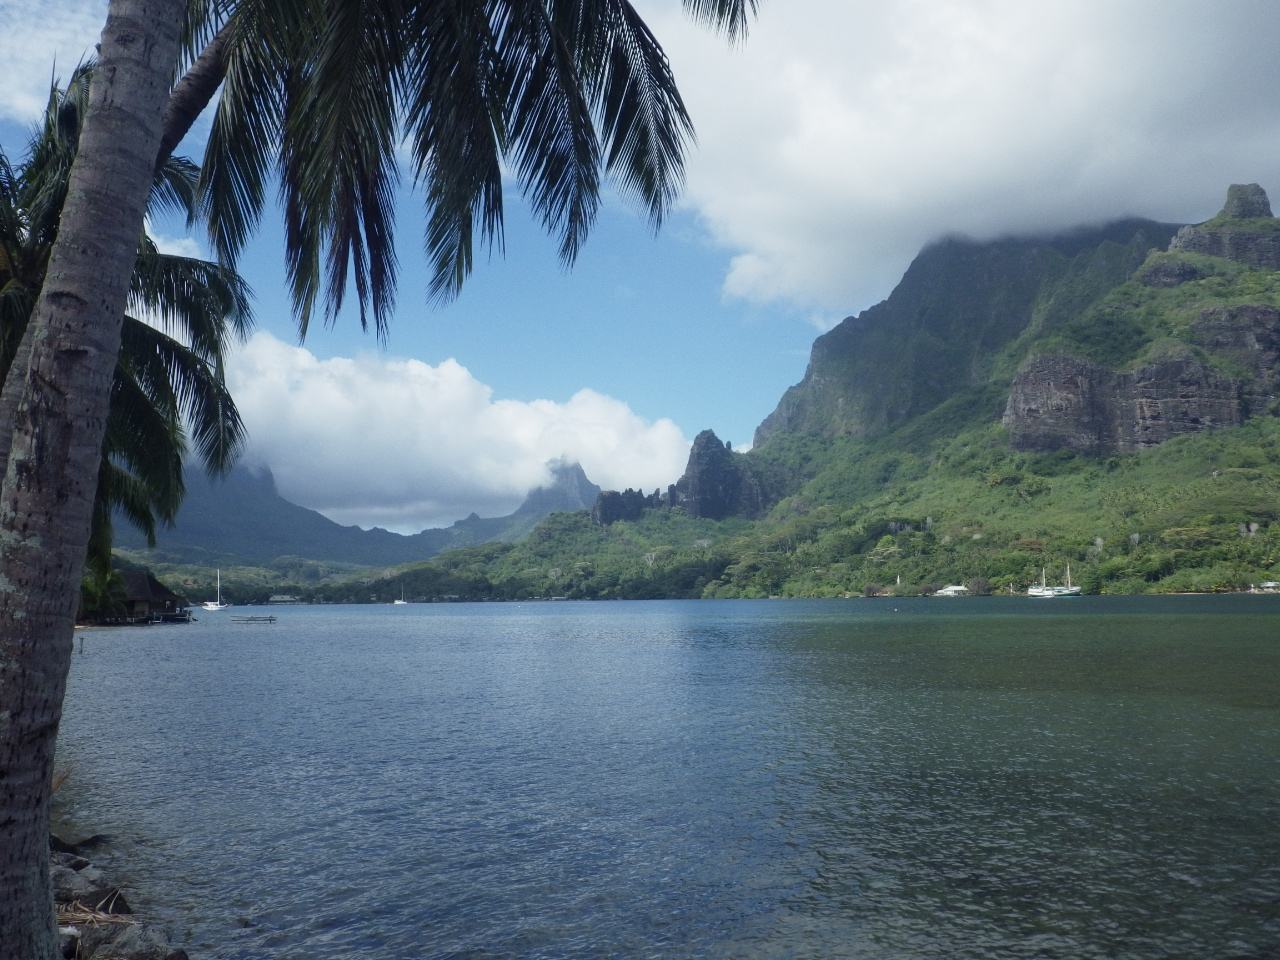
x=1106 y=402
x=243 y=519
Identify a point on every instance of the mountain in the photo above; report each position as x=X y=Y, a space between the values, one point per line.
x=942 y=329
x=244 y=520
x=1108 y=399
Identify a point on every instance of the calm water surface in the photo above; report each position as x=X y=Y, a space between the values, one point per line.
x=971 y=778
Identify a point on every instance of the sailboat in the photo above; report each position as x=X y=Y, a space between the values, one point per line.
x=216 y=604
x=397 y=603
x=1043 y=590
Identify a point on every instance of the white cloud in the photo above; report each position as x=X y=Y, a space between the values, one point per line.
x=35 y=35
x=845 y=134
x=177 y=246
x=400 y=444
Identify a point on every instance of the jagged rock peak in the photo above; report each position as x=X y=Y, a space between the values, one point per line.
x=612 y=506
x=1240 y=232
x=568 y=491
x=717 y=483
x=1245 y=201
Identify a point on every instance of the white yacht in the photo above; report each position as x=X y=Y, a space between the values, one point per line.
x=402 y=600
x=1043 y=590
x=216 y=604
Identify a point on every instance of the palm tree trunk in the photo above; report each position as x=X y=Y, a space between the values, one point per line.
x=15 y=380
x=193 y=92
x=46 y=502
x=188 y=100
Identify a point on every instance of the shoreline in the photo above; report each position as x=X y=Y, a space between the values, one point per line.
x=94 y=916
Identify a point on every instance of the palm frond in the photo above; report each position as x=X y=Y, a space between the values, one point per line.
x=644 y=119
x=553 y=136
x=456 y=107
x=202 y=303
x=338 y=170
x=175 y=188
x=16 y=303
x=148 y=440
x=180 y=381
x=729 y=16
x=120 y=492
x=246 y=127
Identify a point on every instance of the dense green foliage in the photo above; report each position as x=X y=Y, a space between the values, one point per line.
x=168 y=395
x=941 y=497
x=1196 y=514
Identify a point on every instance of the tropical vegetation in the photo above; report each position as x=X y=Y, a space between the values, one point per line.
x=168 y=392
x=321 y=93
x=942 y=496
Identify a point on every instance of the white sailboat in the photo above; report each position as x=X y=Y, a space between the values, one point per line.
x=216 y=604
x=1043 y=590
x=402 y=600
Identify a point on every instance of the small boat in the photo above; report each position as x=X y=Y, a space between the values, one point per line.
x=402 y=600
x=216 y=604
x=1044 y=591
x=266 y=619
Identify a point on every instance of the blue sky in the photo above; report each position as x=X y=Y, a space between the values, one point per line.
x=836 y=142
x=638 y=317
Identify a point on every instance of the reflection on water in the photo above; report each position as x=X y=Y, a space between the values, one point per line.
x=972 y=778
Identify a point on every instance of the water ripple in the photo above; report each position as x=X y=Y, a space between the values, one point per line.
x=982 y=779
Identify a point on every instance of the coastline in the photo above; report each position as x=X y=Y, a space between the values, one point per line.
x=95 y=918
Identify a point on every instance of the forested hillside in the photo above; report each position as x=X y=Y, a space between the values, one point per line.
x=1106 y=399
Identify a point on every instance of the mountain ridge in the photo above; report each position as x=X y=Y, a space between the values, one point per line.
x=243 y=519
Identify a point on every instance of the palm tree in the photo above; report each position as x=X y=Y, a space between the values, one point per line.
x=166 y=390
x=318 y=92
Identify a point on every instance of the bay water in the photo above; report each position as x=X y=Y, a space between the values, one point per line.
x=987 y=778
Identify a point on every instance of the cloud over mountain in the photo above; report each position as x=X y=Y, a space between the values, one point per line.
x=845 y=134
x=397 y=443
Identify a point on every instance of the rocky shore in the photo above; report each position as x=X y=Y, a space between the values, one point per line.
x=94 y=918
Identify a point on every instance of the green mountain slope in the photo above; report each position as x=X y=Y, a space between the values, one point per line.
x=959 y=306
x=1013 y=407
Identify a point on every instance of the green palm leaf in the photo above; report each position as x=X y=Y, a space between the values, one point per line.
x=167 y=392
x=562 y=90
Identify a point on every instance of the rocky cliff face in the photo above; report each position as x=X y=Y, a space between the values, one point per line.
x=1064 y=401
x=960 y=302
x=611 y=506
x=718 y=483
x=1244 y=231
x=1249 y=336
x=1061 y=400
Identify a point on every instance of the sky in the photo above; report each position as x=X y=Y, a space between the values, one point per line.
x=835 y=142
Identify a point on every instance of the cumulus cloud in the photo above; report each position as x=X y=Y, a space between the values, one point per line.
x=35 y=35
x=845 y=134
x=177 y=246
x=401 y=444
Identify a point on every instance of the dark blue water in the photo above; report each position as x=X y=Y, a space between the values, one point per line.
x=961 y=778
